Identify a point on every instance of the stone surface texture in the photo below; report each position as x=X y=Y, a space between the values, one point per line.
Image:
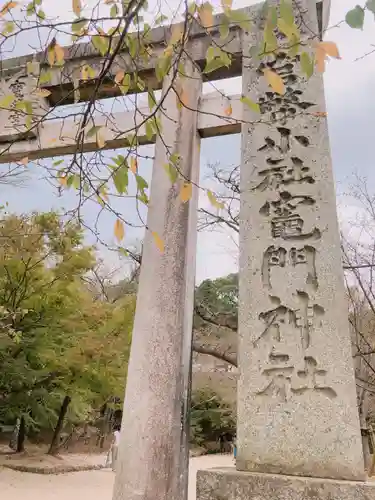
x=151 y=464
x=229 y=484
x=59 y=137
x=20 y=124
x=297 y=411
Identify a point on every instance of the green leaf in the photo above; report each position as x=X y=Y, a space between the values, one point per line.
x=241 y=18
x=151 y=99
x=224 y=30
x=29 y=111
x=161 y=19
x=125 y=84
x=162 y=66
x=101 y=44
x=272 y=17
x=171 y=172
x=214 y=201
x=143 y=198
x=114 y=11
x=30 y=9
x=33 y=68
x=139 y=83
x=78 y=25
x=251 y=104
x=57 y=163
x=356 y=17
x=93 y=131
x=76 y=181
x=175 y=159
x=295 y=46
x=41 y=14
x=119 y=160
x=307 y=64
x=122 y=251
x=121 y=179
x=213 y=65
x=45 y=77
x=6 y=101
x=149 y=130
x=142 y=184
x=9 y=27
x=288 y=29
x=270 y=41
x=224 y=27
x=132 y=45
x=69 y=181
x=286 y=12
x=370 y=5
x=210 y=54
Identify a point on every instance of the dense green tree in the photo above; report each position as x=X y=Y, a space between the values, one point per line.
x=210 y=417
x=60 y=347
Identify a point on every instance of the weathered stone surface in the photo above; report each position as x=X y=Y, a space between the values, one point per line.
x=20 y=123
x=61 y=83
x=297 y=410
x=59 y=137
x=229 y=484
x=151 y=465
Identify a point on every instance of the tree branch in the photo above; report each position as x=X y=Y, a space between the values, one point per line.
x=231 y=359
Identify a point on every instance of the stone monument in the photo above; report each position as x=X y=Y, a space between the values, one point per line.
x=297 y=412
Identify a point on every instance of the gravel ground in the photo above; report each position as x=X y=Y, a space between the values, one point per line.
x=93 y=485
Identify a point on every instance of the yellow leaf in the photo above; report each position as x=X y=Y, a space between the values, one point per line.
x=330 y=49
x=133 y=164
x=321 y=114
x=51 y=56
x=59 y=53
x=43 y=92
x=100 y=141
x=213 y=200
x=177 y=33
x=226 y=4
x=186 y=191
x=24 y=161
x=228 y=110
x=104 y=194
x=206 y=16
x=77 y=7
x=159 y=242
x=275 y=81
x=6 y=7
x=182 y=98
x=320 y=59
x=119 y=230
x=168 y=51
x=84 y=73
x=63 y=180
x=119 y=77
x=324 y=49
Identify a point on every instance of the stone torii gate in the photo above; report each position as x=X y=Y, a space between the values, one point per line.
x=298 y=428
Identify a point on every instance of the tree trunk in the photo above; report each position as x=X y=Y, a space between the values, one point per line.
x=53 y=449
x=21 y=436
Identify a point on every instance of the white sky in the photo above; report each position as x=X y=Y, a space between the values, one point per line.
x=351 y=117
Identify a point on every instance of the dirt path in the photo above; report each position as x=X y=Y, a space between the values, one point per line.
x=93 y=485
